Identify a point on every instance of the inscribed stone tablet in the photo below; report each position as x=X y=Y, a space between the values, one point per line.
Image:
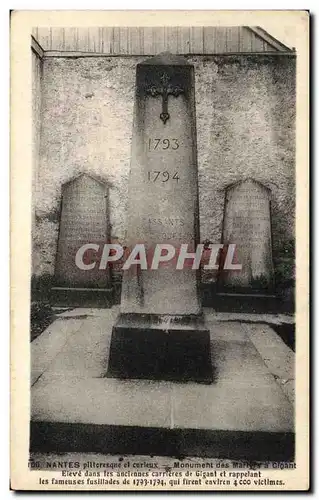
x=83 y=221
x=247 y=224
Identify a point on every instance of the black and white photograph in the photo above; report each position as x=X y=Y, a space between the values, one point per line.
x=162 y=273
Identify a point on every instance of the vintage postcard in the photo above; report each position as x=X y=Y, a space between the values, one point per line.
x=159 y=268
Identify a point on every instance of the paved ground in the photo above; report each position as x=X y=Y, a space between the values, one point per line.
x=253 y=389
x=55 y=341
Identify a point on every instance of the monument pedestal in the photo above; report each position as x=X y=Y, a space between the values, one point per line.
x=160 y=347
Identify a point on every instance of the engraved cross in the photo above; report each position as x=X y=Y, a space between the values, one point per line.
x=164 y=90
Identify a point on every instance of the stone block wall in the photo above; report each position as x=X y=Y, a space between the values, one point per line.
x=245 y=112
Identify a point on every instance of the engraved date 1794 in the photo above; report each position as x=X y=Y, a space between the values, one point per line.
x=157 y=175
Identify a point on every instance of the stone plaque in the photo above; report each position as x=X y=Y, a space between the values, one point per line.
x=247 y=224
x=83 y=221
x=160 y=333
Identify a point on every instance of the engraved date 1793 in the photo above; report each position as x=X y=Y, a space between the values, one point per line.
x=162 y=144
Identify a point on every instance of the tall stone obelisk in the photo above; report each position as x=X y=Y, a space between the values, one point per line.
x=160 y=332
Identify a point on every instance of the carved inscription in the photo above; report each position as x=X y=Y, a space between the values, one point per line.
x=163 y=144
x=167 y=228
x=158 y=176
x=247 y=224
x=83 y=220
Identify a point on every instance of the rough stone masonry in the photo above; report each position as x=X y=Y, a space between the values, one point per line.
x=245 y=112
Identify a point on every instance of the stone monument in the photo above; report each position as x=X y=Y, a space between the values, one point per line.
x=160 y=333
x=247 y=224
x=83 y=221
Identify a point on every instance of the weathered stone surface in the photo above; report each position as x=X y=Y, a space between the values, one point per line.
x=163 y=193
x=247 y=224
x=244 y=405
x=83 y=220
x=245 y=111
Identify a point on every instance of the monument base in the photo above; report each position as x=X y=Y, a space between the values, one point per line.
x=150 y=346
x=81 y=297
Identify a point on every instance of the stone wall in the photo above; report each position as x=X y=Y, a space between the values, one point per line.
x=38 y=240
x=36 y=120
x=245 y=108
